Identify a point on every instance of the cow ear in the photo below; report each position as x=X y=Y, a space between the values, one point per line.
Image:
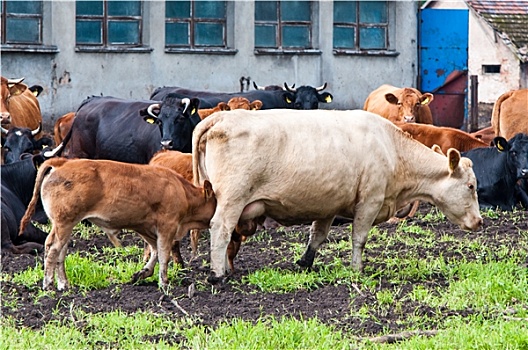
x=44 y=142
x=255 y=105
x=195 y=103
x=501 y=143
x=223 y=106
x=325 y=97
x=453 y=157
x=208 y=190
x=391 y=98
x=426 y=99
x=437 y=149
x=288 y=97
x=17 y=89
x=36 y=90
x=150 y=119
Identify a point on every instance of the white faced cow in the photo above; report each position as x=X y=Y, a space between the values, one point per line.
x=309 y=166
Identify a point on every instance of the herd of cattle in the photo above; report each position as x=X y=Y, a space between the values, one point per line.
x=187 y=160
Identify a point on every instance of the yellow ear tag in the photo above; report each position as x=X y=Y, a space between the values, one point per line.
x=426 y=101
x=35 y=93
x=150 y=120
x=288 y=100
x=193 y=111
x=500 y=147
x=328 y=99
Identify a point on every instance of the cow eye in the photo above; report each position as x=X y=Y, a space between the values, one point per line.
x=471 y=187
x=513 y=154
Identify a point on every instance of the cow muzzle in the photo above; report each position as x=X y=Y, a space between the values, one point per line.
x=409 y=119
x=5 y=118
x=167 y=144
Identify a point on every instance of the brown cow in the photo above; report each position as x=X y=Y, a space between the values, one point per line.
x=18 y=105
x=234 y=103
x=486 y=135
x=510 y=114
x=444 y=137
x=62 y=127
x=182 y=164
x=400 y=104
x=154 y=201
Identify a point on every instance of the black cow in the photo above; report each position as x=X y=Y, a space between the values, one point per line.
x=129 y=130
x=18 y=180
x=500 y=172
x=22 y=140
x=304 y=97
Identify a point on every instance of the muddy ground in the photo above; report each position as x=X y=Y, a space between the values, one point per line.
x=331 y=304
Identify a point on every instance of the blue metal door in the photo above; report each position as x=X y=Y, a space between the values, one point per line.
x=443 y=51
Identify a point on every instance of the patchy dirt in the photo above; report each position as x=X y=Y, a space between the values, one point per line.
x=337 y=304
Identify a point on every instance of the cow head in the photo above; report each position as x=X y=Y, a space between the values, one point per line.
x=243 y=103
x=176 y=119
x=9 y=88
x=409 y=103
x=308 y=97
x=19 y=141
x=516 y=150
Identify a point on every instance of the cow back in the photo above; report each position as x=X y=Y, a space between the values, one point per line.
x=510 y=114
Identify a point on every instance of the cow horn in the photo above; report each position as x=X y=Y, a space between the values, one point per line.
x=321 y=88
x=290 y=89
x=37 y=130
x=53 y=152
x=151 y=107
x=15 y=81
x=257 y=87
x=4 y=130
x=187 y=103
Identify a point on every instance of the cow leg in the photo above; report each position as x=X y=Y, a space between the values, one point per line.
x=195 y=236
x=318 y=233
x=62 y=280
x=176 y=254
x=222 y=225
x=148 y=269
x=364 y=218
x=112 y=236
x=55 y=242
x=165 y=245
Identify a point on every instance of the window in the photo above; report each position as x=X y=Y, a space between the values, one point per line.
x=491 y=68
x=283 y=24
x=21 y=22
x=108 y=23
x=361 y=25
x=195 y=24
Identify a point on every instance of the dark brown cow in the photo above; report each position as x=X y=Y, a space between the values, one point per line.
x=444 y=137
x=182 y=164
x=234 y=103
x=486 y=135
x=154 y=201
x=62 y=127
x=19 y=106
x=400 y=104
x=510 y=114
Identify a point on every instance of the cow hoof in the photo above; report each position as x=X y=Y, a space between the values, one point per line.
x=212 y=279
x=304 y=263
x=138 y=276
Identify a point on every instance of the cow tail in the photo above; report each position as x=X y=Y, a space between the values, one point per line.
x=198 y=161
x=42 y=172
x=495 y=115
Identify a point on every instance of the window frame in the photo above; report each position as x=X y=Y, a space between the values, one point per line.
x=105 y=18
x=388 y=26
x=42 y=45
x=192 y=48
x=279 y=23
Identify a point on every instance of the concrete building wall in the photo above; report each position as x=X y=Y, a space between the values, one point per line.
x=69 y=76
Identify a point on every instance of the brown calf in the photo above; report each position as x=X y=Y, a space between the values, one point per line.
x=182 y=164
x=62 y=127
x=444 y=137
x=156 y=202
x=234 y=103
x=486 y=135
x=406 y=105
